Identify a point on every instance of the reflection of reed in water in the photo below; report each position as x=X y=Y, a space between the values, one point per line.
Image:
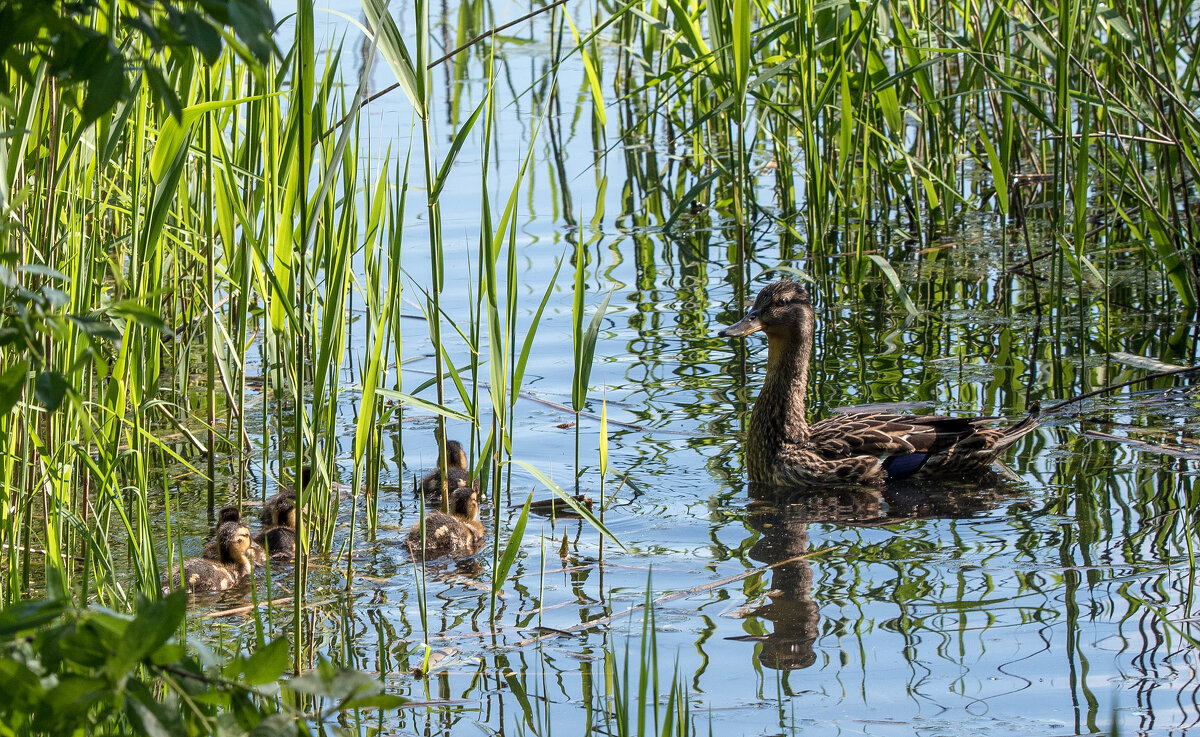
x=781 y=519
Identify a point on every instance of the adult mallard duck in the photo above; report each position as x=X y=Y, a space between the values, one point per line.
x=212 y=548
x=782 y=449
x=457 y=471
x=203 y=574
x=457 y=535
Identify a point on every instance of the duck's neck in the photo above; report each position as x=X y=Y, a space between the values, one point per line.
x=778 y=416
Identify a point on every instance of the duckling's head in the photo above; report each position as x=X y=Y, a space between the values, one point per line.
x=464 y=503
x=456 y=457
x=306 y=474
x=782 y=309
x=233 y=540
x=229 y=513
x=285 y=514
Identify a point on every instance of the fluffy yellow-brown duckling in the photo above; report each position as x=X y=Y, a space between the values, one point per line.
x=212 y=548
x=457 y=535
x=270 y=515
x=280 y=541
x=202 y=574
x=457 y=472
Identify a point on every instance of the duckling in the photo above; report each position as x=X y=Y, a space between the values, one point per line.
x=202 y=574
x=457 y=472
x=783 y=449
x=270 y=516
x=280 y=541
x=212 y=548
x=457 y=535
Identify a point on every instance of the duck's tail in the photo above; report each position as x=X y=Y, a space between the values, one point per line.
x=1013 y=433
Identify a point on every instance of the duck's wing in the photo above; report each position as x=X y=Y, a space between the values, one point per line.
x=903 y=443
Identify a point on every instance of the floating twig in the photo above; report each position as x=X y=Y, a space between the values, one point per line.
x=1122 y=385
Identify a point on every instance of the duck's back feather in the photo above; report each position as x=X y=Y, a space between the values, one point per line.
x=871 y=448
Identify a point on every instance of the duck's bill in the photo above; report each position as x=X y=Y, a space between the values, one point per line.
x=747 y=325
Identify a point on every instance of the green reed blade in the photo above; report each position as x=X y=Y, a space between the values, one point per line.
x=570 y=501
x=511 y=548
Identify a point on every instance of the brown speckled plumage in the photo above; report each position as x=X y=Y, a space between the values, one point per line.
x=270 y=515
x=457 y=472
x=203 y=574
x=782 y=449
x=280 y=540
x=457 y=535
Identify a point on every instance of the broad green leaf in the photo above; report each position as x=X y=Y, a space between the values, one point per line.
x=50 y=388
x=267 y=664
x=12 y=385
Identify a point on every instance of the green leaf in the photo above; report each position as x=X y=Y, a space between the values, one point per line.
x=55 y=297
x=511 y=547
x=376 y=701
x=570 y=501
x=164 y=92
x=276 y=725
x=999 y=172
x=267 y=664
x=12 y=385
x=412 y=401
x=41 y=270
x=893 y=281
x=149 y=716
x=50 y=388
x=195 y=29
x=105 y=86
x=176 y=132
x=589 y=69
x=583 y=370
x=459 y=139
x=140 y=314
x=94 y=327
x=29 y=616
x=154 y=624
x=395 y=53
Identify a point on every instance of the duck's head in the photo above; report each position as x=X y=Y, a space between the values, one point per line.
x=233 y=538
x=306 y=474
x=464 y=503
x=229 y=513
x=782 y=310
x=456 y=457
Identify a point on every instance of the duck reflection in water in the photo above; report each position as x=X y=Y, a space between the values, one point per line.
x=781 y=519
